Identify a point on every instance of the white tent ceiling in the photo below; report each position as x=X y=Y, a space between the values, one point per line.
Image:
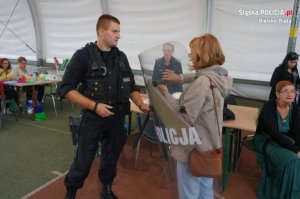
x=253 y=33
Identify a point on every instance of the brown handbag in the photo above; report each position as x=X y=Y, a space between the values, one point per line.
x=207 y=163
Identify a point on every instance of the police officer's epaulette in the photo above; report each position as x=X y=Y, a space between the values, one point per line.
x=93 y=50
x=118 y=53
x=80 y=49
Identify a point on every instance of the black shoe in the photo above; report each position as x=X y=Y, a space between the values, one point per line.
x=107 y=193
x=70 y=194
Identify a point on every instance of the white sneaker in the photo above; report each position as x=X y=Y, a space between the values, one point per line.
x=29 y=110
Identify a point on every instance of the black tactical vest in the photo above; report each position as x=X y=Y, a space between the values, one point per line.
x=103 y=85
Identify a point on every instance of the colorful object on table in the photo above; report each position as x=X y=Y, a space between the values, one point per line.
x=56 y=63
x=31 y=79
x=22 y=79
x=60 y=67
x=42 y=77
x=10 y=82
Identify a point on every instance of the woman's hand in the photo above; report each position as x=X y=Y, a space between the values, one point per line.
x=144 y=107
x=163 y=89
x=298 y=154
x=171 y=76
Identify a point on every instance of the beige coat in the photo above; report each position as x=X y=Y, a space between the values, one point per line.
x=200 y=113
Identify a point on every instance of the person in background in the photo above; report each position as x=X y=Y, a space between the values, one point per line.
x=197 y=104
x=107 y=84
x=20 y=72
x=5 y=75
x=277 y=145
x=5 y=70
x=167 y=63
x=287 y=70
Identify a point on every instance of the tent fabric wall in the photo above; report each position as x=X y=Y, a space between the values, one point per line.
x=145 y=24
x=67 y=25
x=253 y=47
x=20 y=24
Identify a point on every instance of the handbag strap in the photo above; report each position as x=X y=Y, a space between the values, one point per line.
x=214 y=99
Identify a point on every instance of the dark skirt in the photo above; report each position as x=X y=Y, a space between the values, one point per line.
x=284 y=169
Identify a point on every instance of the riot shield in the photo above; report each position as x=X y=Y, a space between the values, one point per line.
x=172 y=129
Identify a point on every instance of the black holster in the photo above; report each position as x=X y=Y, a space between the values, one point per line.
x=74 y=124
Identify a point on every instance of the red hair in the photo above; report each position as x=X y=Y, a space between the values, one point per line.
x=281 y=84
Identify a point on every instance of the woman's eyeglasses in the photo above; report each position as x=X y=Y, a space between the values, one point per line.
x=287 y=91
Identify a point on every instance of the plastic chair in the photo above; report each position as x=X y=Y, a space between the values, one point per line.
x=55 y=96
x=3 y=103
x=148 y=133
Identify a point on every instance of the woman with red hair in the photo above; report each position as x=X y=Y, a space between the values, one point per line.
x=202 y=109
x=277 y=145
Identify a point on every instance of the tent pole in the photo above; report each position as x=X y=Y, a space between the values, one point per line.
x=38 y=32
x=105 y=8
x=294 y=27
x=208 y=16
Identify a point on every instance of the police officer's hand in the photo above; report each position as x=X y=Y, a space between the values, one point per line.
x=104 y=110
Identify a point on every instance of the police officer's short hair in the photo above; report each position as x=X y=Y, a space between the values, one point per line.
x=168 y=44
x=104 y=20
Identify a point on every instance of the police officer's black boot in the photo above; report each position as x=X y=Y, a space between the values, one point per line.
x=71 y=194
x=107 y=193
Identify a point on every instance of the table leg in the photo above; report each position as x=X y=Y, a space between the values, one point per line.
x=232 y=139
x=33 y=103
x=19 y=102
x=225 y=160
x=237 y=148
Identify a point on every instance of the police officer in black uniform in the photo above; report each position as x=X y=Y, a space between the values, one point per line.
x=107 y=83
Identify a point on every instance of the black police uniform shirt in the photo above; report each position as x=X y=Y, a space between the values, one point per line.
x=79 y=64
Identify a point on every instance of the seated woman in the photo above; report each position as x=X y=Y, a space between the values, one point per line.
x=5 y=70
x=277 y=145
x=21 y=71
x=5 y=75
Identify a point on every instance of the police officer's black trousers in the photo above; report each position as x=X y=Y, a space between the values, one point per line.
x=112 y=135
